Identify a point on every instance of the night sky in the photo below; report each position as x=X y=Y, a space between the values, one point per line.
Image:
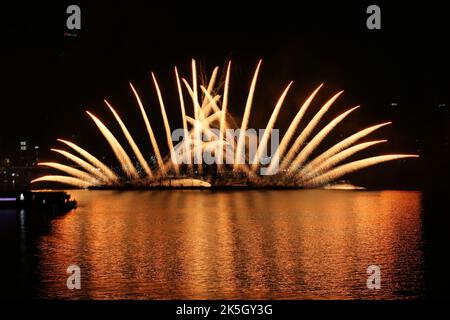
x=49 y=78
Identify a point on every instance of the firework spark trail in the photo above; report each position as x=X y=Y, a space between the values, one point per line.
x=206 y=131
x=279 y=153
x=306 y=132
x=203 y=124
x=214 y=117
x=336 y=159
x=268 y=131
x=240 y=150
x=120 y=153
x=206 y=111
x=223 y=116
x=206 y=123
x=65 y=180
x=72 y=171
x=150 y=132
x=341 y=146
x=203 y=120
x=353 y=166
x=194 y=90
x=310 y=147
x=87 y=166
x=130 y=140
x=186 y=138
x=166 y=126
x=197 y=128
x=210 y=88
x=212 y=101
x=105 y=173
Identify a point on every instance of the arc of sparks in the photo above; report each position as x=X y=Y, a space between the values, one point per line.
x=166 y=125
x=197 y=128
x=72 y=171
x=262 y=147
x=223 y=116
x=307 y=131
x=279 y=153
x=353 y=166
x=341 y=146
x=248 y=106
x=186 y=138
x=336 y=159
x=65 y=180
x=210 y=88
x=118 y=150
x=104 y=172
x=212 y=101
x=150 y=131
x=130 y=140
x=305 y=153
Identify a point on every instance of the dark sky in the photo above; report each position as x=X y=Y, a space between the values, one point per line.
x=48 y=79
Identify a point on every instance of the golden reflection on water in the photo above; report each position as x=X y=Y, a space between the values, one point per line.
x=302 y=244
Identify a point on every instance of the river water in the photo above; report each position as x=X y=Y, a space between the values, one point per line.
x=290 y=244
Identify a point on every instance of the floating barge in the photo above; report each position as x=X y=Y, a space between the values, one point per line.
x=51 y=201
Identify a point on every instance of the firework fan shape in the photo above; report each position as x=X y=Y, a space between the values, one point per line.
x=290 y=165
